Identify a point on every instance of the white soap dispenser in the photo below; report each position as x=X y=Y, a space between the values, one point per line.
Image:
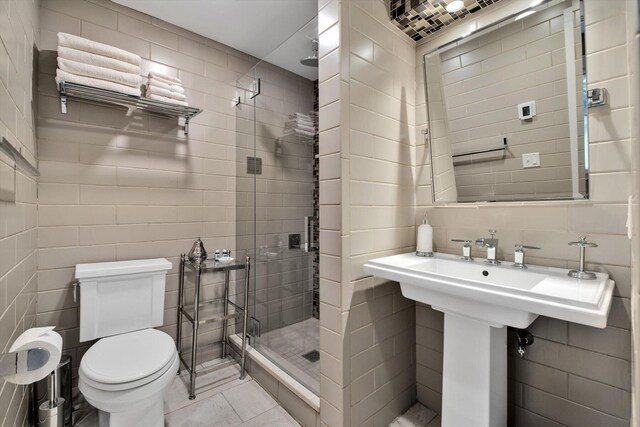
x=424 y=245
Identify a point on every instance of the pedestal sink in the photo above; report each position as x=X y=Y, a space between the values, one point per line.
x=478 y=301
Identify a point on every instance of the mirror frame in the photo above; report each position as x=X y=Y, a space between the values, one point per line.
x=478 y=32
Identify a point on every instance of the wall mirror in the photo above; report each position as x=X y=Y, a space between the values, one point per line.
x=506 y=109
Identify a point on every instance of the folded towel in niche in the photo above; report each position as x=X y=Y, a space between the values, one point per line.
x=63 y=76
x=160 y=76
x=169 y=100
x=101 y=73
x=80 y=43
x=97 y=60
x=176 y=88
x=155 y=90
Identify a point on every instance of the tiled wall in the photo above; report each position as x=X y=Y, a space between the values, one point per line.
x=572 y=375
x=118 y=186
x=283 y=194
x=19 y=38
x=483 y=81
x=367 y=88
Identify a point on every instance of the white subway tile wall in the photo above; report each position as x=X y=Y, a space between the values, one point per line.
x=19 y=42
x=367 y=338
x=572 y=375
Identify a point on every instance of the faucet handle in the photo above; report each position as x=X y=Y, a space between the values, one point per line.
x=583 y=243
x=466 y=249
x=493 y=234
x=520 y=247
x=518 y=256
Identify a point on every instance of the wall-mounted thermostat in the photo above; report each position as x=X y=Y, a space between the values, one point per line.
x=527 y=110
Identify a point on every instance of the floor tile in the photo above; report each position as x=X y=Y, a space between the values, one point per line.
x=417 y=416
x=276 y=417
x=176 y=396
x=212 y=412
x=249 y=400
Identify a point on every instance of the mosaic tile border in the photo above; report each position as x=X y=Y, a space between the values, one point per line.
x=420 y=18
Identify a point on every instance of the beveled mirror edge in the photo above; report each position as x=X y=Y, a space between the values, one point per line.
x=478 y=32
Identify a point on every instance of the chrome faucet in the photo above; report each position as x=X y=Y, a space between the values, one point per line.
x=492 y=247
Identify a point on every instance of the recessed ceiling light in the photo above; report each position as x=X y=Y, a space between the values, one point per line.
x=525 y=14
x=454 y=6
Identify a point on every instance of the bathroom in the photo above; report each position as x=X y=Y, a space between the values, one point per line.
x=311 y=139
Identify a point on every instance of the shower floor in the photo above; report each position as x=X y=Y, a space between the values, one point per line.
x=287 y=346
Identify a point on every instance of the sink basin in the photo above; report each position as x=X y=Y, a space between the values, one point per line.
x=478 y=300
x=498 y=294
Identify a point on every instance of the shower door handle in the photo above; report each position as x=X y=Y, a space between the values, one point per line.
x=309 y=244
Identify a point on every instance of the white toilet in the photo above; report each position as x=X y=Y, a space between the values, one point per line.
x=124 y=374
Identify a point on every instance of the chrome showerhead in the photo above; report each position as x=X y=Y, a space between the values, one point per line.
x=311 y=61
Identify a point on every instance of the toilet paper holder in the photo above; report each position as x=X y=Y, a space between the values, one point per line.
x=19 y=362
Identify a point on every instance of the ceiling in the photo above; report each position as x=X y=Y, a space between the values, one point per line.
x=256 y=27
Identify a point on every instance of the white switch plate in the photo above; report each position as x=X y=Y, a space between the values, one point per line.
x=531 y=160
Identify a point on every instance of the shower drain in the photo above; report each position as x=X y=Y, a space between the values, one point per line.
x=312 y=356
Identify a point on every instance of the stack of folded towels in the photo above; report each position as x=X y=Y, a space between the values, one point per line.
x=90 y=63
x=300 y=124
x=165 y=88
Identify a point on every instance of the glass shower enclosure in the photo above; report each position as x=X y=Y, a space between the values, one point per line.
x=277 y=207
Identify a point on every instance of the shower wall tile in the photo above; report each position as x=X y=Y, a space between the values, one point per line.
x=565 y=375
x=19 y=40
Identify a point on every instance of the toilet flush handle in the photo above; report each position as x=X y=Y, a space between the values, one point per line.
x=75 y=285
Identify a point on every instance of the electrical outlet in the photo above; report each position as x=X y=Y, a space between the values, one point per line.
x=531 y=160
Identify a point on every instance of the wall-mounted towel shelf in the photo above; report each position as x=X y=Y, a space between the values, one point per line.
x=21 y=162
x=93 y=94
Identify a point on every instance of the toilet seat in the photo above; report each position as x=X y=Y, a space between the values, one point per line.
x=127 y=361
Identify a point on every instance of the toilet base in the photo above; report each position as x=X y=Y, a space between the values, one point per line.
x=151 y=415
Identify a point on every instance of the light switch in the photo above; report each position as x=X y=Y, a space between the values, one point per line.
x=531 y=160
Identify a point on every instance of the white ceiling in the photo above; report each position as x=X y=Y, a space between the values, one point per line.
x=256 y=27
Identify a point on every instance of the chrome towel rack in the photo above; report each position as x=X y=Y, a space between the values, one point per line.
x=489 y=150
x=21 y=162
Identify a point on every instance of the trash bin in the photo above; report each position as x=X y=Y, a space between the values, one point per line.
x=50 y=398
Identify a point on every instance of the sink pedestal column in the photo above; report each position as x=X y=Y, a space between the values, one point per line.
x=474 y=379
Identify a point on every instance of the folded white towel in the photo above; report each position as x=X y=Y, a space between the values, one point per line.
x=301 y=132
x=75 y=42
x=304 y=128
x=63 y=76
x=159 y=83
x=102 y=73
x=97 y=60
x=155 y=90
x=169 y=100
x=160 y=76
x=293 y=123
x=176 y=88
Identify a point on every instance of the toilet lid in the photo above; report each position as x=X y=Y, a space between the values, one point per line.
x=129 y=357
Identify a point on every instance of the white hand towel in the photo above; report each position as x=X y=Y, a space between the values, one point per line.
x=94 y=72
x=176 y=88
x=304 y=128
x=75 y=42
x=169 y=100
x=160 y=76
x=63 y=76
x=159 y=83
x=97 y=60
x=154 y=90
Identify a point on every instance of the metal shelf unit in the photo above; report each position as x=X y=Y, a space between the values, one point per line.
x=93 y=94
x=202 y=312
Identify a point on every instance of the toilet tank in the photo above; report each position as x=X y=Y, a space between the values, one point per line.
x=122 y=296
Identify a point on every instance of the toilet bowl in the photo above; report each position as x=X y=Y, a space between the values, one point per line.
x=124 y=377
x=125 y=372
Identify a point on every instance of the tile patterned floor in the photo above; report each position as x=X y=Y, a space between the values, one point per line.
x=222 y=399
x=417 y=416
x=285 y=347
